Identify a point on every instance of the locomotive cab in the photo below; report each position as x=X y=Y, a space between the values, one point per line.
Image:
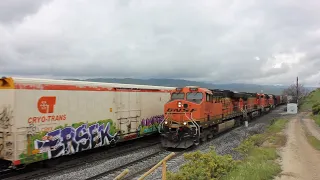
x=184 y=107
x=182 y=114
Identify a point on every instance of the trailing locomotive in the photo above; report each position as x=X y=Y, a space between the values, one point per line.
x=194 y=114
x=42 y=119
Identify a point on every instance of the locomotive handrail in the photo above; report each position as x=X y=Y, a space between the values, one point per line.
x=194 y=122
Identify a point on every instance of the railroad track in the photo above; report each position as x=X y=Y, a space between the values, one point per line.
x=120 y=151
x=150 y=160
x=142 y=165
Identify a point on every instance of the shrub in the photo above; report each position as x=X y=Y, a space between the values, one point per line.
x=203 y=166
x=316 y=108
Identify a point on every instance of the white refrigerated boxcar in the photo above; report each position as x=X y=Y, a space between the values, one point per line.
x=42 y=118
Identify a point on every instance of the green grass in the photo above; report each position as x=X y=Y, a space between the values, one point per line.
x=277 y=126
x=260 y=160
x=316 y=119
x=315 y=143
x=260 y=164
x=310 y=100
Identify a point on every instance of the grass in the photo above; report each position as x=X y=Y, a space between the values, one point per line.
x=261 y=154
x=259 y=165
x=310 y=100
x=316 y=119
x=315 y=143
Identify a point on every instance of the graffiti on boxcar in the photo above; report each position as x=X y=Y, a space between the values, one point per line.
x=5 y=122
x=64 y=140
x=6 y=117
x=70 y=140
x=32 y=129
x=150 y=125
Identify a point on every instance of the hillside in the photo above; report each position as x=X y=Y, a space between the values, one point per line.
x=180 y=83
x=312 y=99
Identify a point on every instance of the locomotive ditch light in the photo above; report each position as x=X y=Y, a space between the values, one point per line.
x=166 y=122
x=184 y=123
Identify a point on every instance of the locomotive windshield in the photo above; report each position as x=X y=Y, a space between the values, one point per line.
x=177 y=96
x=195 y=97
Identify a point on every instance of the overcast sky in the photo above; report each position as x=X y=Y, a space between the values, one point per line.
x=250 y=41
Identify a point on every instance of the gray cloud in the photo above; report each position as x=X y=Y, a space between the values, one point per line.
x=16 y=10
x=215 y=41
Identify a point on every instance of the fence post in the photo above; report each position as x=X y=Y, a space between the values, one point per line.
x=164 y=170
x=163 y=161
x=121 y=175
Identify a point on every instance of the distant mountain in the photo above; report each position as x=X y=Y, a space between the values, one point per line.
x=271 y=89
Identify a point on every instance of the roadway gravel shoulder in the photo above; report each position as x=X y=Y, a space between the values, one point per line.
x=299 y=159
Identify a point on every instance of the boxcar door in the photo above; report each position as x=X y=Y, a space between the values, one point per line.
x=134 y=110
x=122 y=113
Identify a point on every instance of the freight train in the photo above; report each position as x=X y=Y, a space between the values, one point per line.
x=194 y=114
x=42 y=119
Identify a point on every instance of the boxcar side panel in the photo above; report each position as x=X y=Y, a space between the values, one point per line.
x=52 y=123
x=55 y=123
x=152 y=111
x=139 y=113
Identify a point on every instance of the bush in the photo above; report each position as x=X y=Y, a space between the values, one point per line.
x=316 y=108
x=203 y=166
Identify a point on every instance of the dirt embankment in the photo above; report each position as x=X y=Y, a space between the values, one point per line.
x=299 y=159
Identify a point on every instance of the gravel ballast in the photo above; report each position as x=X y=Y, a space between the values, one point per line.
x=92 y=169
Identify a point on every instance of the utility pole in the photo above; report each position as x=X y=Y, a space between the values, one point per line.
x=297 y=90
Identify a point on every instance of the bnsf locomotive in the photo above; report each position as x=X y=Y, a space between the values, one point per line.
x=194 y=114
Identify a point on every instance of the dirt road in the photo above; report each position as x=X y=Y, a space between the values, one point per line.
x=299 y=159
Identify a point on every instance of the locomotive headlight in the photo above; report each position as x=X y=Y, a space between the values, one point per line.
x=166 y=122
x=184 y=123
x=179 y=104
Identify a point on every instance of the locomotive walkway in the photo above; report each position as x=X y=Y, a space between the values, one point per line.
x=300 y=160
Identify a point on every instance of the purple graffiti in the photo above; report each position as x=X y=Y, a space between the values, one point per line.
x=152 y=120
x=71 y=140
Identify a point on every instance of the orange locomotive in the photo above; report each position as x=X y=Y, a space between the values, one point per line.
x=194 y=114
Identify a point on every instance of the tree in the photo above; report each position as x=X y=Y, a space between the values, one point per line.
x=292 y=91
